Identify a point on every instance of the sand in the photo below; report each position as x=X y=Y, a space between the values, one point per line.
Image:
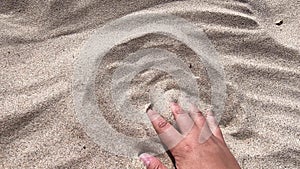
x=40 y=42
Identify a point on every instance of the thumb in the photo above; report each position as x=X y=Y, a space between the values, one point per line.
x=151 y=162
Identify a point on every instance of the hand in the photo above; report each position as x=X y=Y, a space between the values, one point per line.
x=199 y=143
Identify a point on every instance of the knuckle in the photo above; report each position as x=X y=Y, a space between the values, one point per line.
x=201 y=119
x=198 y=115
x=184 y=149
x=162 y=123
x=187 y=148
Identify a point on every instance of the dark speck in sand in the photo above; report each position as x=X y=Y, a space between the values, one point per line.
x=84 y=147
x=279 y=22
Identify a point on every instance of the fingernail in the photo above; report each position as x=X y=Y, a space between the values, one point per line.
x=152 y=115
x=149 y=107
x=145 y=158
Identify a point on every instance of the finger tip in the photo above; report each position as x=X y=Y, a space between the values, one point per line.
x=194 y=109
x=150 y=112
x=153 y=115
x=144 y=155
x=174 y=106
x=145 y=158
x=209 y=113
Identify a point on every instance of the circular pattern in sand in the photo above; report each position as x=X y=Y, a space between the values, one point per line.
x=109 y=98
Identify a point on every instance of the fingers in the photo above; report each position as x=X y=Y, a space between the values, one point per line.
x=183 y=119
x=214 y=127
x=206 y=126
x=200 y=121
x=166 y=132
x=197 y=116
x=151 y=162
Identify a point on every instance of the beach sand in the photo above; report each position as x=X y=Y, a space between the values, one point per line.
x=258 y=42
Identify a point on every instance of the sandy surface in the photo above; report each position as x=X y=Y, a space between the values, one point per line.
x=41 y=40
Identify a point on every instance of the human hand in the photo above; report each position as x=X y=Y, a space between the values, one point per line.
x=199 y=143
